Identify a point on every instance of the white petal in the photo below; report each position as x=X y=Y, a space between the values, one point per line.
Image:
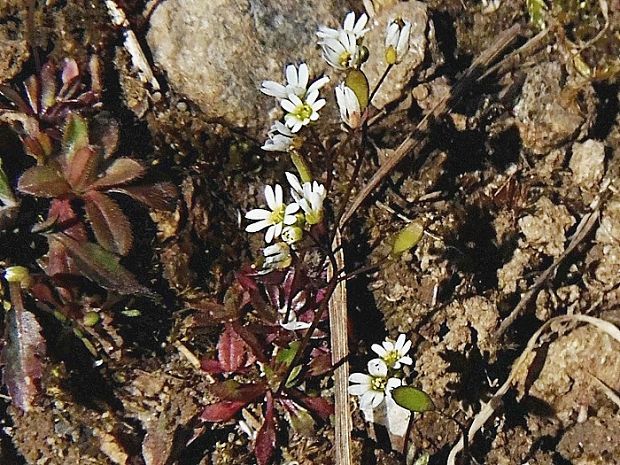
x=311 y=97
x=273 y=89
x=377 y=368
x=388 y=346
x=406 y=347
x=291 y=209
x=288 y=106
x=376 y=399
x=279 y=197
x=406 y=360
x=269 y=234
x=360 y=378
x=257 y=214
x=318 y=84
x=318 y=104
x=349 y=21
x=277 y=229
x=291 y=75
x=391 y=35
x=393 y=383
x=293 y=181
x=358 y=389
x=377 y=349
x=360 y=24
x=303 y=75
x=270 y=198
x=257 y=226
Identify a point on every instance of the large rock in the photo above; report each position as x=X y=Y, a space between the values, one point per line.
x=217 y=52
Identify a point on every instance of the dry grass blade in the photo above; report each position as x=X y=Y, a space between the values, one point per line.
x=609 y=392
x=340 y=350
x=489 y=408
x=585 y=225
x=411 y=142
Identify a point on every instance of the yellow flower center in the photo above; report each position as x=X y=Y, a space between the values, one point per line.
x=378 y=383
x=277 y=216
x=344 y=59
x=303 y=112
x=391 y=358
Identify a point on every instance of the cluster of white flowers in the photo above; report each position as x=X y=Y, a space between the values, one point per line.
x=342 y=47
x=299 y=100
x=286 y=221
x=384 y=373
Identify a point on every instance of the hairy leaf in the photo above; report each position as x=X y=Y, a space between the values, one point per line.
x=160 y=196
x=110 y=225
x=14 y=97
x=43 y=181
x=317 y=405
x=266 y=437
x=22 y=356
x=33 y=93
x=412 y=399
x=234 y=391
x=48 y=85
x=82 y=170
x=70 y=78
x=61 y=215
x=74 y=137
x=221 y=411
x=232 y=351
x=121 y=171
x=101 y=266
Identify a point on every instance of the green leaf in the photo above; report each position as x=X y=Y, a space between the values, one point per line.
x=407 y=238
x=74 y=137
x=101 y=266
x=536 y=10
x=358 y=83
x=412 y=399
x=6 y=193
x=286 y=356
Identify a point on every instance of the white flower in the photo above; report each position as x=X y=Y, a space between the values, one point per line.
x=277 y=256
x=397 y=41
x=274 y=219
x=281 y=139
x=372 y=388
x=349 y=105
x=357 y=28
x=394 y=354
x=309 y=197
x=292 y=234
x=301 y=112
x=297 y=83
x=342 y=51
x=292 y=324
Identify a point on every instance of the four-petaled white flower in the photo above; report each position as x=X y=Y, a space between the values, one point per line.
x=281 y=138
x=349 y=105
x=297 y=83
x=309 y=197
x=373 y=387
x=341 y=52
x=357 y=28
x=277 y=256
x=394 y=354
x=397 y=41
x=301 y=112
x=275 y=218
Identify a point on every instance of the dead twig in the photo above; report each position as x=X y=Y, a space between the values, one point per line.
x=443 y=107
x=340 y=350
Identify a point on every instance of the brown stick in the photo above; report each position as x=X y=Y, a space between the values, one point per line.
x=410 y=143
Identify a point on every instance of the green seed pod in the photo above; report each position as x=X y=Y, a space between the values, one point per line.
x=363 y=55
x=18 y=274
x=390 y=55
x=407 y=238
x=91 y=318
x=357 y=81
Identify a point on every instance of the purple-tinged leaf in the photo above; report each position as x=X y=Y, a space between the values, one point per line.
x=48 y=86
x=33 y=93
x=320 y=361
x=74 y=137
x=82 y=170
x=221 y=411
x=235 y=391
x=317 y=405
x=121 y=171
x=110 y=225
x=299 y=418
x=14 y=97
x=266 y=437
x=232 y=351
x=23 y=353
x=160 y=196
x=38 y=146
x=65 y=219
x=70 y=78
x=43 y=181
x=211 y=366
x=252 y=341
x=101 y=266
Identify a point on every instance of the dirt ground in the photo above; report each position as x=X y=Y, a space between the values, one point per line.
x=502 y=185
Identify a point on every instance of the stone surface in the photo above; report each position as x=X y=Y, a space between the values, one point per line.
x=588 y=164
x=401 y=74
x=545 y=230
x=218 y=52
x=553 y=108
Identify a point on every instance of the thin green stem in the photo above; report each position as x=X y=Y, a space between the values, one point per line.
x=381 y=79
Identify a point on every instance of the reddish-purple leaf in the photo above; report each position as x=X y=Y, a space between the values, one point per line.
x=211 y=366
x=14 y=97
x=33 y=93
x=221 y=411
x=121 y=171
x=266 y=437
x=160 y=196
x=320 y=361
x=232 y=351
x=70 y=77
x=22 y=355
x=234 y=391
x=43 y=181
x=317 y=405
x=101 y=266
x=62 y=215
x=252 y=341
x=110 y=225
x=82 y=170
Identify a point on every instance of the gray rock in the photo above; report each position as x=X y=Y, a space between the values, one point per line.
x=217 y=52
x=402 y=73
x=588 y=164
